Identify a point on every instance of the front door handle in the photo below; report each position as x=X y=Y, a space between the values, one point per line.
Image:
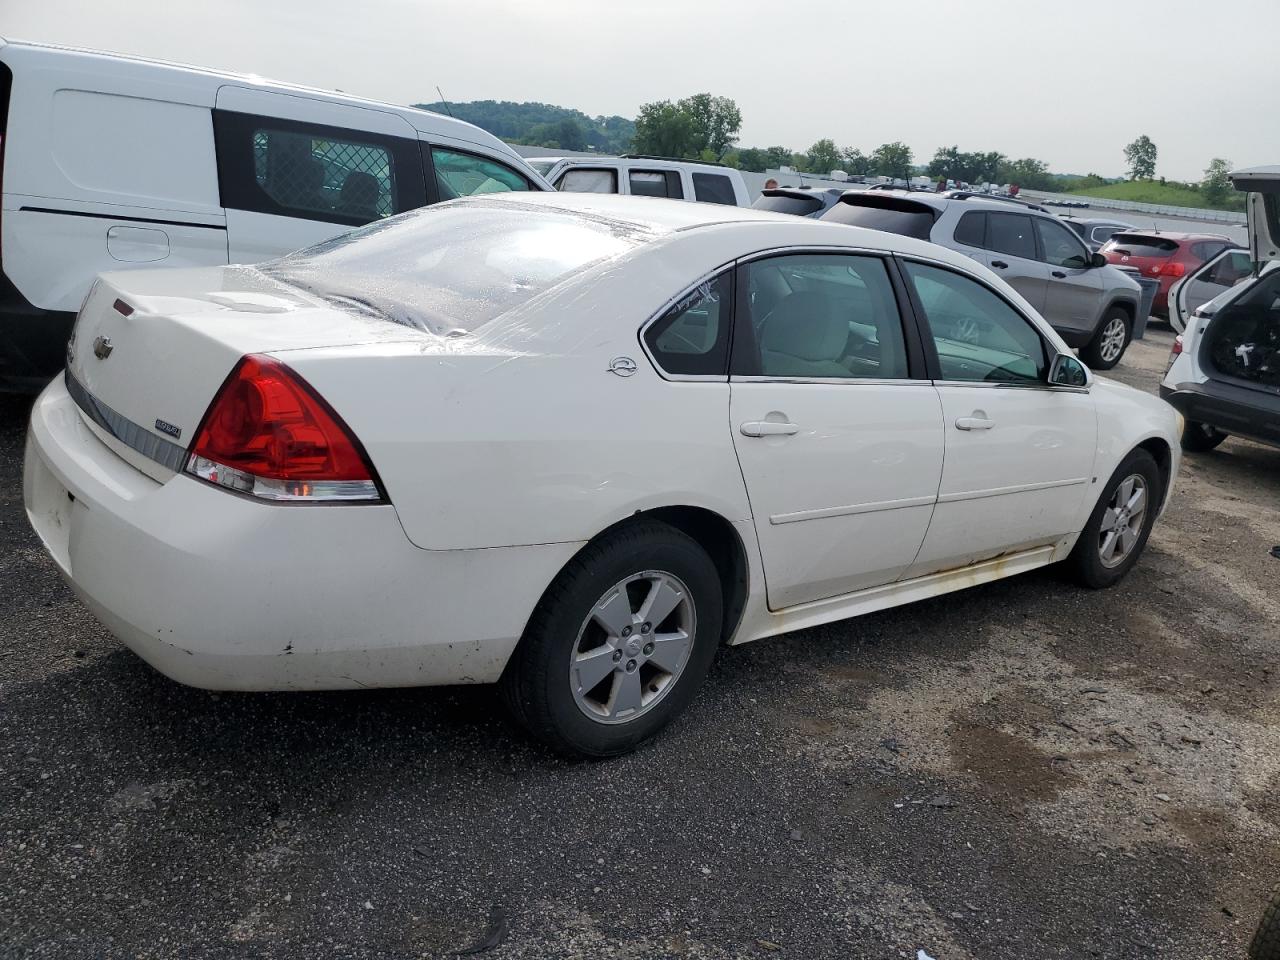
x=768 y=428
x=1059 y=274
x=974 y=423
x=999 y=265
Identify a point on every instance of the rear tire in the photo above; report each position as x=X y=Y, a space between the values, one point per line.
x=1266 y=942
x=1110 y=342
x=1200 y=437
x=601 y=667
x=1115 y=534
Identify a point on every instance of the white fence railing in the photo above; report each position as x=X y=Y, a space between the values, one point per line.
x=1152 y=209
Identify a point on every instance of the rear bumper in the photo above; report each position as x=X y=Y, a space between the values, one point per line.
x=1236 y=410
x=218 y=591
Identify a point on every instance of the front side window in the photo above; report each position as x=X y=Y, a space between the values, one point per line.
x=1061 y=247
x=466 y=175
x=978 y=336
x=713 y=188
x=1010 y=233
x=589 y=181
x=313 y=172
x=820 y=315
x=692 y=338
x=655 y=183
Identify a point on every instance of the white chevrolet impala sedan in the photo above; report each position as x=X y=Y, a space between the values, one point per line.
x=571 y=444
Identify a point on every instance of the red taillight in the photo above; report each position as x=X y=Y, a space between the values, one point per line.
x=1173 y=269
x=269 y=434
x=1176 y=350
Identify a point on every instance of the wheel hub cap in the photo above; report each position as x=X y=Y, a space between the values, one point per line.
x=1122 y=521
x=632 y=647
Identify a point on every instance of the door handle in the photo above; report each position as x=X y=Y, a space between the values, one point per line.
x=1059 y=274
x=768 y=428
x=999 y=265
x=974 y=423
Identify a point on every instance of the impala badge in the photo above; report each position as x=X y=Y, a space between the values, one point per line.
x=102 y=347
x=164 y=426
x=622 y=366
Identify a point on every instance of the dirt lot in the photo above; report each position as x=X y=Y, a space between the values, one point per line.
x=1024 y=770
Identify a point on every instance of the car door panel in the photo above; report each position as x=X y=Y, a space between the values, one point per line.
x=840 y=449
x=1011 y=255
x=1017 y=453
x=1073 y=295
x=1211 y=279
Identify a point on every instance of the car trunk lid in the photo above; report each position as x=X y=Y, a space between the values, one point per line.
x=151 y=348
x=1262 y=184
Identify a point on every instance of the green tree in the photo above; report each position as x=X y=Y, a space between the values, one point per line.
x=823 y=157
x=716 y=121
x=1216 y=185
x=892 y=160
x=570 y=135
x=945 y=163
x=753 y=159
x=855 y=162
x=1027 y=172
x=778 y=156
x=663 y=129
x=1141 y=158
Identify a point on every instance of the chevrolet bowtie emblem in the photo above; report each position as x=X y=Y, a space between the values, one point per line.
x=102 y=347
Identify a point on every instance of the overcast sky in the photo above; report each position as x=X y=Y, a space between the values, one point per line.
x=1068 y=83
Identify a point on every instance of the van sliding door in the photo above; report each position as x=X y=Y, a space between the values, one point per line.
x=293 y=170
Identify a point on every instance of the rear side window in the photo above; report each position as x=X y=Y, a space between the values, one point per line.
x=313 y=172
x=1136 y=245
x=1207 y=249
x=972 y=229
x=692 y=338
x=655 y=183
x=1103 y=234
x=1010 y=233
x=891 y=214
x=713 y=188
x=589 y=181
x=466 y=175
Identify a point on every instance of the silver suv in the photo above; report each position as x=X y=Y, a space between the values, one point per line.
x=1090 y=303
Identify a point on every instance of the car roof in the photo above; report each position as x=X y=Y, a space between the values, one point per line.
x=651 y=163
x=658 y=218
x=1102 y=222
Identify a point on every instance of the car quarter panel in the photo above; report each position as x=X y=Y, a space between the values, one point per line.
x=1127 y=419
x=221 y=591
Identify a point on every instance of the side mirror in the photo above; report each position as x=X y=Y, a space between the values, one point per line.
x=1068 y=371
x=1097 y=260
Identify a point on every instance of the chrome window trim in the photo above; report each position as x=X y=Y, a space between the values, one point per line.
x=1011 y=385
x=134 y=436
x=838 y=381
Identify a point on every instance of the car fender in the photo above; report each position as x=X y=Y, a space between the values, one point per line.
x=1128 y=419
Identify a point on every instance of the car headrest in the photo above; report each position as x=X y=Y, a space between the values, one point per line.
x=805 y=325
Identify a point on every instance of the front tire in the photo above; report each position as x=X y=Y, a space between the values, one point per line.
x=619 y=643
x=1200 y=437
x=1117 y=530
x=1110 y=342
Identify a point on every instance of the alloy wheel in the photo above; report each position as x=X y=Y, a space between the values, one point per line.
x=1122 y=521
x=1113 y=337
x=632 y=647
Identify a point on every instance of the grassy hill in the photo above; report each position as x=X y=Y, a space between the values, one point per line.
x=1152 y=191
x=542 y=124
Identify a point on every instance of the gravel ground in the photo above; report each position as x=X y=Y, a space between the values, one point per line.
x=1022 y=770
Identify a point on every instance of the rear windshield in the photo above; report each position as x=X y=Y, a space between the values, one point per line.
x=1136 y=245
x=454 y=266
x=891 y=214
x=798 y=206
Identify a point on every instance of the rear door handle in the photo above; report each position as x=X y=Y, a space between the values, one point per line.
x=999 y=265
x=768 y=428
x=1059 y=274
x=974 y=423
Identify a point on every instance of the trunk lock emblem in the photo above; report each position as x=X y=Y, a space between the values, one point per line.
x=622 y=366
x=102 y=347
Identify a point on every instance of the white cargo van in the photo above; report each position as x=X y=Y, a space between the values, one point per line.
x=110 y=162
x=645 y=177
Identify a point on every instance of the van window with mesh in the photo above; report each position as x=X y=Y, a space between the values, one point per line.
x=318 y=175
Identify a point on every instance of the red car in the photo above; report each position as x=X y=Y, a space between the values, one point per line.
x=1164 y=256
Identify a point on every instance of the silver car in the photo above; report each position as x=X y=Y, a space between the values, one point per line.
x=1091 y=304
x=1095 y=231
